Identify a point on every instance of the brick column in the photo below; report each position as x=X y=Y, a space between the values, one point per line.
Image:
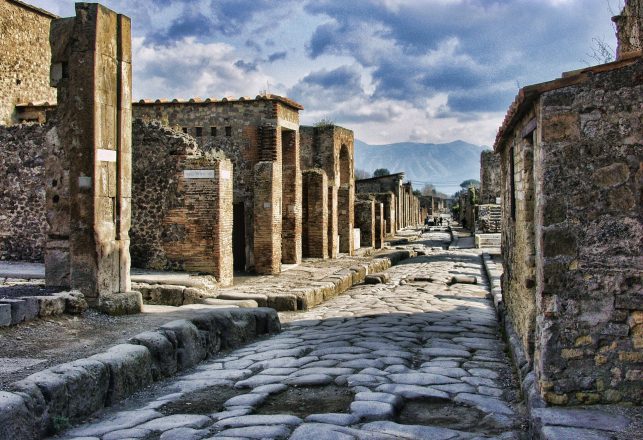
x=267 y=217
x=91 y=67
x=291 y=198
x=315 y=214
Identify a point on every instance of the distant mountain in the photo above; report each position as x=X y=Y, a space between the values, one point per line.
x=443 y=165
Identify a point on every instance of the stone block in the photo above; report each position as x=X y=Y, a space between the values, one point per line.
x=74 y=302
x=167 y=294
x=163 y=352
x=282 y=302
x=130 y=369
x=190 y=344
x=18 y=309
x=16 y=422
x=5 y=315
x=196 y=296
x=236 y=326
x=259 y=298
x=120 y=303
x=86 y=383
x=50 y=305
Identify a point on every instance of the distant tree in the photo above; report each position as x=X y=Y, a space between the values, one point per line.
x=470 y=182
x=362 y=174
x=600 y=52
x=381 y=172
x=417 y=192
x=324 y=122
x=429 y=190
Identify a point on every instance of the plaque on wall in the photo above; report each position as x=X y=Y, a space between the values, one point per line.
x=198 y=174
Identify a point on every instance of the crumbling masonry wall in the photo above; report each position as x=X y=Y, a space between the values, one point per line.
x=26 y=54
x=181 y=204
x=572 y=232
x=23 y=226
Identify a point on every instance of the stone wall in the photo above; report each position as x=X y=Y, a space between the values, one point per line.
x=22 y=192
x=572 y=232
x=24 y=65
x=390 y=183
x=315 y=213
x=589 y=345
x=181 y=204
x=490 y=177
x=629 y=28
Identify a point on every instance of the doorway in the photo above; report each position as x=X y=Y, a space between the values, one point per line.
x=239 y=236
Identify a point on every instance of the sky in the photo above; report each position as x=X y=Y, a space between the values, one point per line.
x=391 y=70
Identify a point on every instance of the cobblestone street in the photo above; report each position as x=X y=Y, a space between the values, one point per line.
x=418 y=356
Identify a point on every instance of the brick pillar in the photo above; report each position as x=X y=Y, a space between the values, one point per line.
x=315 y=214
x=333 y=225
x=379 y=225
x=291 y=198
x=365 y=221
x=345 y=196
x=91 y=67
x=267 y=217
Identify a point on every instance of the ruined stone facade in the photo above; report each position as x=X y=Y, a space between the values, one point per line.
x=331 y=148
x=571 y=154
x=365 y=220
x=26 y=54
x=261 y=138
x=181 y=204
x=407 y=205
x=22 y=192
x=490 y=177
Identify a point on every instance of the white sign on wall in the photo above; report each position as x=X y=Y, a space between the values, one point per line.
x=225 y=174
x=198 y=174
x=106 y=155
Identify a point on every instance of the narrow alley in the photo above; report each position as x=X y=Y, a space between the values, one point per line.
x=418 y=356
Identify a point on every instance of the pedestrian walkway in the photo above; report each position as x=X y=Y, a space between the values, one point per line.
x=417 y=357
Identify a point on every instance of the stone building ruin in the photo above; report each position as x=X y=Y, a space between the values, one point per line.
x=489 y=211
x=182 y=204
x=571 y=159
x=331 y=149
x=261 y=138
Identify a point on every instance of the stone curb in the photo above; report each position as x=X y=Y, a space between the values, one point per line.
x=547 y=423
x=72 y=391
x=27 y=308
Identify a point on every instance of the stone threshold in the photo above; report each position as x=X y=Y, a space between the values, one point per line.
x=71 y=392
x=27 y=308
x=549 y=422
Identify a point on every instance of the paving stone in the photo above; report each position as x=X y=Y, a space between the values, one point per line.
x=309 y=380
x=477 y=381
x=389 y=398
x=490 y=391
x=485 y=404
x=184 y=434
x=230 y=413
x=259 y=380
x=445 y=352
x=565 y=433
x=413 y=391
x=455 y=388
x=411 y=431
x=248 y=400
x=252 y=420
x=270 y=389
x=176 y=421
x=322 y=431
x=580 y=418
x=372 y=410
x=422 y=379
x=363 y=363
x=483 y=372
x=321 y=370
x=5 y=315
x=339 y=419
x=449 y=372
x=127 y=434
x=118 y=421
x=256 y=432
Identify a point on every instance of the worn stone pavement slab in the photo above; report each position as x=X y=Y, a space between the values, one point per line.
x=405 y=359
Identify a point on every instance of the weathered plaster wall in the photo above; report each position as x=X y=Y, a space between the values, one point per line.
x=23 y=226
x=589 y=162
x=24 y=64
